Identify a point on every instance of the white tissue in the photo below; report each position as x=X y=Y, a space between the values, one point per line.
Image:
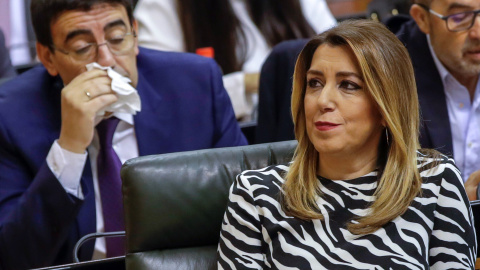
x=128 y=98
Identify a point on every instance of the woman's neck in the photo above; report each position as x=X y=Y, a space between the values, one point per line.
x=345 y=167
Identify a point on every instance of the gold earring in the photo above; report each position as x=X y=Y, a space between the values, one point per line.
x=386 y=134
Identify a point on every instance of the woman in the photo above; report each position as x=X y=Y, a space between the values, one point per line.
x=358 y=194
x=241 y=32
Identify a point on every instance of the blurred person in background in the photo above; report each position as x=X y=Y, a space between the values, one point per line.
x=18 y=32
x=241 y=33
x=443 y=40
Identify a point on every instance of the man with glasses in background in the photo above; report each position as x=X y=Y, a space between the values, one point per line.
x=60 y=154
x=443 y=40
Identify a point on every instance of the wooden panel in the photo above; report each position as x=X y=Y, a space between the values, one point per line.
x=345 y=8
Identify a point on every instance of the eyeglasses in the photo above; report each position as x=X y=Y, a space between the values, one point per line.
x=118 y=45
x=456 y=22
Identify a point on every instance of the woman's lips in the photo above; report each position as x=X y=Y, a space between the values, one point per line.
x=324 y=126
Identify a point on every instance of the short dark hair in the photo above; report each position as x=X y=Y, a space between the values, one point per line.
x=44 y=12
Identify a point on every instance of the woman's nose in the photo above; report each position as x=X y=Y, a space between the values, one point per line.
x=327 y=96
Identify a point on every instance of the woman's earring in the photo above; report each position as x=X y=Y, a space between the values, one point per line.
x=386 y=134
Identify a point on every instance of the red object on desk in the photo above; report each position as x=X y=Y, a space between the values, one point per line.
x=206 y=51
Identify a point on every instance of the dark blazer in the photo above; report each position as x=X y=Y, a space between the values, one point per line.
x=6 y=68
x=435 y=131
x=274 y=109
x=184 y=107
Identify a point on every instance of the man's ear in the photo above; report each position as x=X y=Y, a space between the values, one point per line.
x=421 y=17
x=45 y=55
x=135 y=28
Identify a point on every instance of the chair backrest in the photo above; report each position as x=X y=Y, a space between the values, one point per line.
x=174 y=203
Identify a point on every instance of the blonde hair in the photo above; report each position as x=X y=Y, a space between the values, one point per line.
x=388 y=74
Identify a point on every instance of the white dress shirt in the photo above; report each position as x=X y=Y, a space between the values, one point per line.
x=68 y=168
x=464 y=116
x=160 y=28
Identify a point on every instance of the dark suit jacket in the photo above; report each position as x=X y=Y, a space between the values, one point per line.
x=184 y=107
x=274 y=109
x=435 y=131
x=6 y=68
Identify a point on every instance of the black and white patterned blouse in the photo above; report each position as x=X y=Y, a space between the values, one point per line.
x=436 y=232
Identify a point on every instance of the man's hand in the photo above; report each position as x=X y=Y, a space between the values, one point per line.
x=471 y=185
x=79 y=109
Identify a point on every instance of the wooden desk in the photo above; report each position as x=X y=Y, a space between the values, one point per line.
x=346 y=8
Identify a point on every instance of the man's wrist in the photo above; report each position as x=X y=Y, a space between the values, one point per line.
x=71 y=147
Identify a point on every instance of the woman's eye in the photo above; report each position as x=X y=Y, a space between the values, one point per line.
x=314 y=83
x=349 y=85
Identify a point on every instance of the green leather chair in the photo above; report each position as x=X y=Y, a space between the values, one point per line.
x=174 y=203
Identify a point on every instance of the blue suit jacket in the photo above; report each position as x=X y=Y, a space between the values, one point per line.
x=184 y=107
x=435 y=131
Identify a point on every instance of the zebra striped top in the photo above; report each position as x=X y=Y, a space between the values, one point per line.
x=436 y=232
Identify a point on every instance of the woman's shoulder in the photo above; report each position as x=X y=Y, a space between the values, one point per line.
x=265 y=180
x=268 y=173
x=436 y=167
x=430 y=157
